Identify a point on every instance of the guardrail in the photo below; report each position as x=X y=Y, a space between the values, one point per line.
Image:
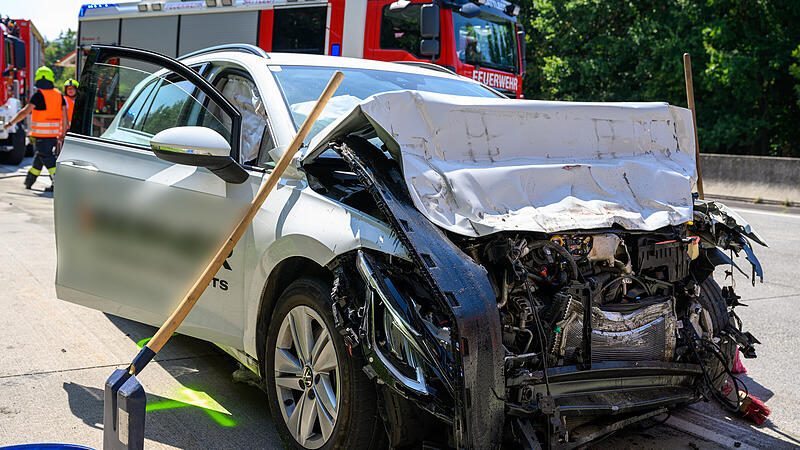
x=755 y=178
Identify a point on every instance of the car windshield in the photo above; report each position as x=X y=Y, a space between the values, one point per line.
x=302 y=86
x=486 y=41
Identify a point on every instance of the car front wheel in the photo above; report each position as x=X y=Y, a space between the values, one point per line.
x=318 y=394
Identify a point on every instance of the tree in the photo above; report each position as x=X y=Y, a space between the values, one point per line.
x=630 y=50
x=57 y=49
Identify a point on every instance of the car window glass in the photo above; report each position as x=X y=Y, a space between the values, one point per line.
x=133 y=102
x=239 y=88
x=302 y=85
x=137 y=107
x=172 y=106
x=400 y=29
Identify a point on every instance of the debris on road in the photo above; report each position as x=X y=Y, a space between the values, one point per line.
x=738 y=367
x=750 y=406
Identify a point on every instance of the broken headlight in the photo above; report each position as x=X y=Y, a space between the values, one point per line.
x=399 y=350
x=395 y=351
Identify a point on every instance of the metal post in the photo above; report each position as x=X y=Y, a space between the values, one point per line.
x=687 y=71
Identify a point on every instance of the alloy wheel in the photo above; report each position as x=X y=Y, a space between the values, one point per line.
x=307 y=377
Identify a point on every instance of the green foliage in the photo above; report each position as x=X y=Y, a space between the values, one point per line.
x=57 y=49
x=794 y=69
x=745 y=58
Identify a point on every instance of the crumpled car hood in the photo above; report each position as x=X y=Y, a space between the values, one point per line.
x=476 y=166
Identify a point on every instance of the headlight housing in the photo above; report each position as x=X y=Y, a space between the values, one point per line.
x=392 y=340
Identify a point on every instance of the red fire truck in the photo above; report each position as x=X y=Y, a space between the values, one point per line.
x=480 y=39
x=21 y=53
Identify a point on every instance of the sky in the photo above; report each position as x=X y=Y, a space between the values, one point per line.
x=49 y=16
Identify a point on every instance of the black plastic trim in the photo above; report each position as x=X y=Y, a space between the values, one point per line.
x=224 y=167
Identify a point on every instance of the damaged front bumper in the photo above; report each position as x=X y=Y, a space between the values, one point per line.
x=609 y=388
x=458 y=371
x=474 y=379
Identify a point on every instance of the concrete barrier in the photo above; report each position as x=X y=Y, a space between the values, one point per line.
x=766 y=178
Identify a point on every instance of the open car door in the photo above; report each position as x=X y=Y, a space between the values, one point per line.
x=132 y=230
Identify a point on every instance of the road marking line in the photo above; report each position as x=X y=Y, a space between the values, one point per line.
x=767 y=213
x=781 y=435
x=704 y=433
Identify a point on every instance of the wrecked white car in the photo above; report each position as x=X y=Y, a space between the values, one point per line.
x=441 y=265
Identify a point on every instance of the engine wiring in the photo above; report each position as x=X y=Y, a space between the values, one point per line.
x=716 y=351
x=540 y=333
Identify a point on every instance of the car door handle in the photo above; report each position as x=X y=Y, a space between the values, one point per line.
x=80 y=165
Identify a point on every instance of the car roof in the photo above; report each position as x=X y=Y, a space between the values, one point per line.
x=302 y=59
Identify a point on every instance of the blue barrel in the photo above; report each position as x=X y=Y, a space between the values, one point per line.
x=48 y=446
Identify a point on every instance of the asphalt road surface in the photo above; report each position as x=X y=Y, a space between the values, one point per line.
x=55 y=356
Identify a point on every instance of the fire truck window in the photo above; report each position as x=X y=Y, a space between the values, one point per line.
x=400 y=29
x=299 y=30
x=7 y=53
x=486 y=41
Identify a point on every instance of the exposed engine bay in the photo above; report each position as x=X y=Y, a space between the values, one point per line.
x=514 y=336
x=594 y=327
x=549 y=287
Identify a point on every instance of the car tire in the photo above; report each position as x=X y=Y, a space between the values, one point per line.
x=712 y=301
x=356 y=420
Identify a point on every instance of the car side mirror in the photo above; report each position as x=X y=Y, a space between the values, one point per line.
x=469 y=10
x=429 y=30
x=429 y=21
x=200 y=147
x=429 y=47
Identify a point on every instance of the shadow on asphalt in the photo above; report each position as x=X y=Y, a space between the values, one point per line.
x=190 y=421
x=746 y=430
x=755 y=388
x=763 y=393
x=8 y=169
x=179 y=345
x=208 y=410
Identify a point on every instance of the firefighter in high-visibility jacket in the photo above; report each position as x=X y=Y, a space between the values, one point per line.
x=48 y=123
x=70 y=92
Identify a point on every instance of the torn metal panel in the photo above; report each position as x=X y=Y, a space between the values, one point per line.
x=479 y=407
x=724 y=215
x=476 y=166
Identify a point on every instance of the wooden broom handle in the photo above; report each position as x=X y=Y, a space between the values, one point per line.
x=687 y=72
x=163 y=334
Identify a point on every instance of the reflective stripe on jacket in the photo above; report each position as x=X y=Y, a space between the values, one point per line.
x=47 y=122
